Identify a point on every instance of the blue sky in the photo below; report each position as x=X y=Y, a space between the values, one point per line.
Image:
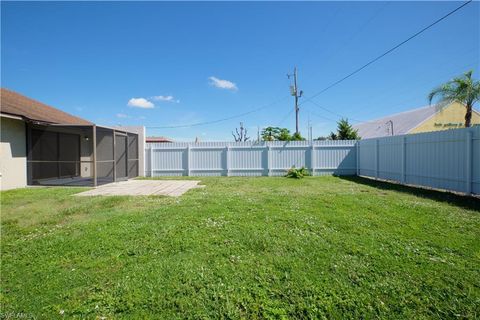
x=178 y=63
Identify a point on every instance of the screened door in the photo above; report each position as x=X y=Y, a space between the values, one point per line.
x=121 y=168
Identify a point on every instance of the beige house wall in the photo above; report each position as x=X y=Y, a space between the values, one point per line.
x=450 y=117
x=13 y=154
x=86 y=156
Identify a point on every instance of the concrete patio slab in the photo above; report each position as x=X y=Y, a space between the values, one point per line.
x=172 y=188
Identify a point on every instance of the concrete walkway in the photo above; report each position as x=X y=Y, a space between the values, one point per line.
x=172 y=188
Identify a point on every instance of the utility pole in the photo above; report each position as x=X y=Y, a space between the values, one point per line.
x=294 y=92
x=310 y=130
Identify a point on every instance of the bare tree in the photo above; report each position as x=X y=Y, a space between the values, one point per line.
x=240 y=135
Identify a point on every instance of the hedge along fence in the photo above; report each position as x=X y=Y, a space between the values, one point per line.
x=250 y=158
x=448 y=160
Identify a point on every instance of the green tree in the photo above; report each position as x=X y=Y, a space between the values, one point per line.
x=284 y=135
x=270 y=133
x=276 y=134
x=297 y=137
x=345 y=131
x=463 y=89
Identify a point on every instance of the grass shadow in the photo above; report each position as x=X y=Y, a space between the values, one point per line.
x=466 y=202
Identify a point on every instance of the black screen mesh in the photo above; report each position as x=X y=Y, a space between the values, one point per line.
x=54 y=154
x=132 y=155
x=104 y=145
x=63 y=155
x=44 y=145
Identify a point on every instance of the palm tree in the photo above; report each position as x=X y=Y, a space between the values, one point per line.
x=463 y=89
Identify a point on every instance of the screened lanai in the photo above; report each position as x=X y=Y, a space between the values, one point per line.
x=79 y=155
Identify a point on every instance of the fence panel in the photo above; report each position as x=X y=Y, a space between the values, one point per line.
x=248 y=161
x=250 y=158
x=390 y=158
x=367 y=158
x=476 y=162
x=448 y=160
x=335 y=159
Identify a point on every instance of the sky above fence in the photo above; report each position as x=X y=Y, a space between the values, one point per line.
x=169 y=64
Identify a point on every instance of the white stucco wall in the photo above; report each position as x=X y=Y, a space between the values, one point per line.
x=13 y=154
x=85 y=156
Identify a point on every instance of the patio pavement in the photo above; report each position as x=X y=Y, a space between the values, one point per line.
x=172 y=188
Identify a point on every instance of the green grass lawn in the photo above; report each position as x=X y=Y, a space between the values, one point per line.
x=321 y=247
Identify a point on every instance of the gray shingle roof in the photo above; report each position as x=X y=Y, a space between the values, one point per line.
x=402 y=122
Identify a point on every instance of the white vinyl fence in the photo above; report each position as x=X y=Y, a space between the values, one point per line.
x=249 y=158
x=447 y=160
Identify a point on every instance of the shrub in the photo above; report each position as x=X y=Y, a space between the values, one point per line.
x=297 y=173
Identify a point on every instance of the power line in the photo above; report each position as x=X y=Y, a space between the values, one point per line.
x=286 y=117
x=322 y=117
x=332 y=18
x=332 y=112
x=406 y=89
x=220 y=120
x=386 y=52
x=326 y=88
x=344 y=45
x=366 y=121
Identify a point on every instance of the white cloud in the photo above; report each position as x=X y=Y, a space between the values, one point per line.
x=223 y=84
x=122 y=115
x=166 y=99
x=140 y=103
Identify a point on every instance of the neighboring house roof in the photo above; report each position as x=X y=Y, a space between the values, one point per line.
x=157 y=139
x=402 y=122
x=13 y=103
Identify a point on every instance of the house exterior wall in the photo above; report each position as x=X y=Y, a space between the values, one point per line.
x=13 y=154
x=450 y=117
x=86 y=156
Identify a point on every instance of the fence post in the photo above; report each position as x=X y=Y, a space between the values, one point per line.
x=312 y=158
x=95 y=173
x=151 y=160
x=188 y=160
x=227 y=160
x=377 y=165
x=268 y=160
x=358 y=157
x=404 y=160
x=468 y=171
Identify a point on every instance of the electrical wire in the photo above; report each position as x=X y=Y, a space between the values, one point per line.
x=220 y=120
x=358 y=30
x=286 y=117
x=386 y=53
x=410 y=99
x=332 y=112
x=320 y=116
x=310 y=99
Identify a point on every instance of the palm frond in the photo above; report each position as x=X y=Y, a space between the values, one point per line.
x=446 y=92
x=463 y=89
